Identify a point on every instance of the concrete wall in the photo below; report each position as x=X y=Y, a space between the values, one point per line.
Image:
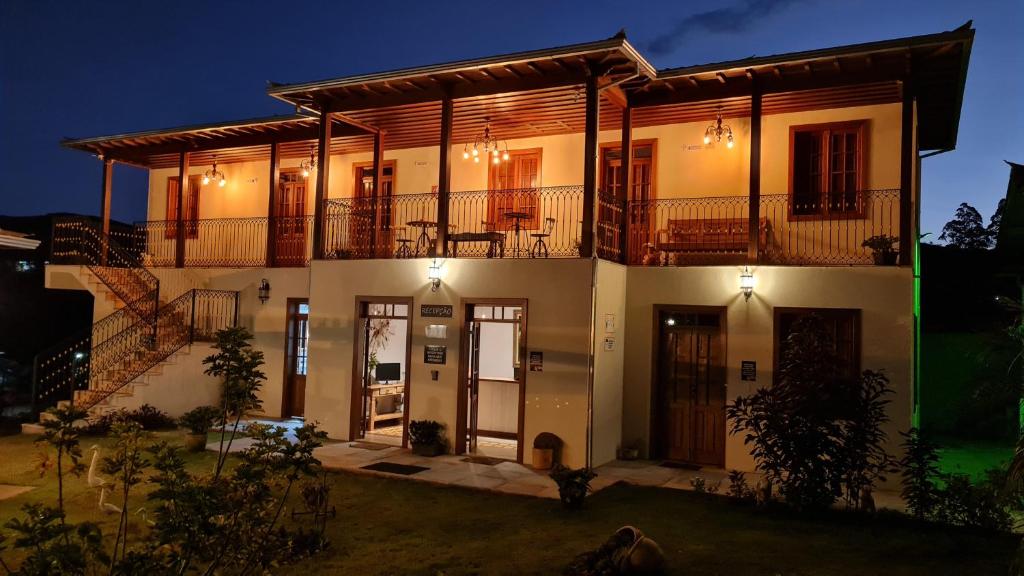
x=883 y=294
x=558 y=325
x=609 y=332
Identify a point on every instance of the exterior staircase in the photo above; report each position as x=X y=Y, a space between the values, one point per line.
x=122 y=350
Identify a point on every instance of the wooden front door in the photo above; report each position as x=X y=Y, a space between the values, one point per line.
x=689 y=398
x=373 y=213
x=289 y=221
x=512 y=186
x=636 y=202
x=296 y=355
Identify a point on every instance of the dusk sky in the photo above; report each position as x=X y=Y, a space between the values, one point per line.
x=83 y=69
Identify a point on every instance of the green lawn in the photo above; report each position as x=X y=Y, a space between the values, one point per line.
x=401 y=527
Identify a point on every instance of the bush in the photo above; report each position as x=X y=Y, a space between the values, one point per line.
x=919 y=470
x=738 y=487
x=200 y=420
x=573 y=484
x=816 y=433
x=149 y=417
x=976 y=505
x=426 y=433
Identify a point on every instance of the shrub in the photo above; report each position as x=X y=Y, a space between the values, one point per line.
x=200 y=420
x=816 y=433
x=881 y=243
x=976 y=505
x=919 y=470
x=738 y=486
x=148 y=417
x=573 y=485
x=426 y=433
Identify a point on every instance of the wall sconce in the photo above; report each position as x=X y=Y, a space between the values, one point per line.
x=434 y=275
x=264 y=291
x=746 y=282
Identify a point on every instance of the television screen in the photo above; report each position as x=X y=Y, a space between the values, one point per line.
x=390 y=372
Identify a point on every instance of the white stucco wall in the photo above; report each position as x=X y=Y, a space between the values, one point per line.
x=883 y=294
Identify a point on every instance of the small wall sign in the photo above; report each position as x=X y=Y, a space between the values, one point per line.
x=609 y=343
x=609 y=323
x=536 y=361
x=435 y=310
x=748 y=371
x=435 y=354
x=438 y=331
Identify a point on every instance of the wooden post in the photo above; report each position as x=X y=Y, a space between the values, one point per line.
x=907 y=242
x=376 y=234
x=590 y=168
x=108 y=176
x=275 y=177
x=323 y=164
x=179 y=225
x=754 y=204
x=627 y=182
x=444 y=173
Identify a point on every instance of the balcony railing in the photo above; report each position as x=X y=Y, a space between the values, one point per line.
x=715 y=230
x=227 y=242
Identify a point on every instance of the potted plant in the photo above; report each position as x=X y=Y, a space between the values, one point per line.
x=545 y=450
x=883 y=249
x=573 y=485
x=198 y=421
x=631 y=451
x=427 y=438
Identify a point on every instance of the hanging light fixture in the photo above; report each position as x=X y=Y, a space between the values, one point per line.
x=747 y=283
x=716 y=130
x=486 y=146
x=214 y=174
x=308 y=166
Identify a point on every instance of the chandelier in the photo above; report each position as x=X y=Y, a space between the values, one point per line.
x=308 y=166
x=486 y=145
x=716 y=130
x=214 y=174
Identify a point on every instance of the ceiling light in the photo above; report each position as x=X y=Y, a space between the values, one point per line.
x=214 y=175
x=716 y=130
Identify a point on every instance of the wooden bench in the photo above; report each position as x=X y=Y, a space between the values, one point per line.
x=495 y=242
x=708 y=235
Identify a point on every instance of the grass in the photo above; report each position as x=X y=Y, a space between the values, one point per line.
x=973 y=457
x=387 y=526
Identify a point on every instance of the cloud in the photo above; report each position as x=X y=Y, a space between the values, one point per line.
x=738 y=18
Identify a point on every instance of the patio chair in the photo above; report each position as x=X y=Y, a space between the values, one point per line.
x=539 y=238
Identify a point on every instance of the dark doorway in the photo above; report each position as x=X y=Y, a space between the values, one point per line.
x=296 y=352
x=689 y=392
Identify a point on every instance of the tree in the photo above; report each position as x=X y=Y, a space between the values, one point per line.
x=996 y=220
x=967 y=229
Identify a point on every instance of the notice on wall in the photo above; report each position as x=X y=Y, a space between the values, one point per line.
x=748 y=371
x=609 y=343
x=435 y=310
x=609 y=323
x=536 y=361
x=435 y=354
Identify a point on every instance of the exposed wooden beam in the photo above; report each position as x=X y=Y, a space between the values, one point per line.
x=376 y=178
x=105 y=196
x=274 y=177
x=616 y=96
x=179 y=228
x=323 y=171
x=626 y=145
x=511 y=70
x=722 y=77
x=754 y=186
x=444 y=174
x=590 y=139
x=907 y=157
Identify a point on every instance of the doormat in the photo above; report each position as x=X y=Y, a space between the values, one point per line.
x=369 y=445
x=681 y=465
x=485 y=460
x=392 y=468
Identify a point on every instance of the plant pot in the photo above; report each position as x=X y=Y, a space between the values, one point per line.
x=195 y=442
x=629 y=453
x=639 y=554
x=885 y=258
x=429 y=450
x=543 y=458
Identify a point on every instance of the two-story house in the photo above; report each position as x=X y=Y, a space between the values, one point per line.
x=564 y=240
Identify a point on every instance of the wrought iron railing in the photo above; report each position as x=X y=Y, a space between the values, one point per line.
x=227 y=242
x=609 y=227
x=716 y=230
x=398 y=226
x=80 y=240
x=90 y=369
x=519 y=223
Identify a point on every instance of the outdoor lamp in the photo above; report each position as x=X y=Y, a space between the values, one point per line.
x=264 y=291
x=746 y=282
x=434 y=275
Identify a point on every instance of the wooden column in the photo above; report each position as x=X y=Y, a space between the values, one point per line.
x=907 y=241
x=626 y=181
x=376 y=234
x=590 y=168
x=323 y=165
x=275 y=177
x=105 y=188
x=444 y=174
x=754 y=204
x=179 y=225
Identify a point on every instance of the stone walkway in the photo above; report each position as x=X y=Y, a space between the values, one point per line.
x=12 y=490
